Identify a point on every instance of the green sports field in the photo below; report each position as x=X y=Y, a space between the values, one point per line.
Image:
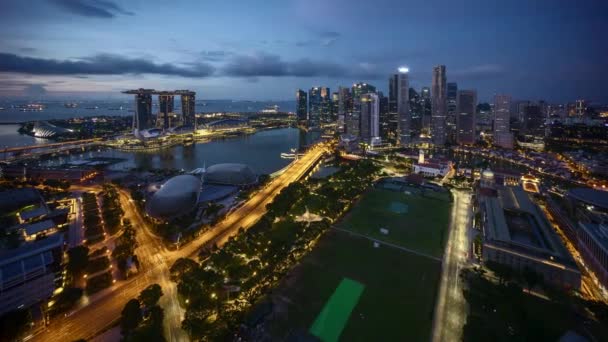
x=414 y=221
x=394 y=301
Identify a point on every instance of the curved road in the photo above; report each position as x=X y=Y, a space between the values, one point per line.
x=155 y=260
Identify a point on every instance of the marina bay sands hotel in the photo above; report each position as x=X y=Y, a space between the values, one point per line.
x=143 y=120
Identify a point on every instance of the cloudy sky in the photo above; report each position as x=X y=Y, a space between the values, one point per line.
x=265 y=49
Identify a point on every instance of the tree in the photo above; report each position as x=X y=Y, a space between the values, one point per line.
x=531 y=277
x=14 y=324
x=78 y=259
x=130 y=316
x=150 y=295
x=181 y=266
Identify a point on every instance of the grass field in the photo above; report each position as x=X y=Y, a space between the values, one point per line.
x=396 y=304
x=414 y=221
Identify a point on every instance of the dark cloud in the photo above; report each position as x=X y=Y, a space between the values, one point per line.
x=103 y=64
x=261 y=64
x=92 y=8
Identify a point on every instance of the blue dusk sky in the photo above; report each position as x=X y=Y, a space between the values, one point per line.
x=555 y=50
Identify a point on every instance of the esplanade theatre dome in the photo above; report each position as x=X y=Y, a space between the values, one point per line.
x=176 y=197
x=230 y=174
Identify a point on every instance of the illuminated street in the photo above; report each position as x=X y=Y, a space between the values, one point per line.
x=155 y=260
x=450 y=310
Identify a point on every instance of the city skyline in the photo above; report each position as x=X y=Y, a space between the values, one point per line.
x=96 y=49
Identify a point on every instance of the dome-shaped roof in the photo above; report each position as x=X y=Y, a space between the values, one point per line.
x=487 y=173
x=177 y=196
x=232 y=174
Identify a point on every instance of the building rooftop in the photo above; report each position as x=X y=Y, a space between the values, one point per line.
x=29 y=249
x=513 y=219
x=15 y=199
x=594 y=197
x=230 y=174
x=599 y=232
x=35 y=228
x=177 y=196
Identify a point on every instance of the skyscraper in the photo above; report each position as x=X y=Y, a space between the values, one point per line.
x=353 y=119
x=452 y=93
x=335 y=101
x=384 y=116
x=301 y=106
x=403 y=107
x=534 y=121
x=439 y=105
x=370 y=117
x=393 y=90
x=345 y=108
x=166 y=103
x=465 y=120
x=502 y=116
x=581 y=107
x=143 y=111
x=188 y=108
x=326 y=109
x=315 y=104
x=345 y=101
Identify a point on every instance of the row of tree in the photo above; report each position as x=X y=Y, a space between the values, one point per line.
x=142 y=318
x=219 y=292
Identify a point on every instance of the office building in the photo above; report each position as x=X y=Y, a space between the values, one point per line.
x=393 y=91
x=502 y=116
x=315 y=106
x=425 y=120
x=345 y=108
x=516 y=233
x=301 y=106
x=581 y=107
x=593 y=247
x=384 y=117
x=533 y=121
x=452 y=108
x=353 y=119
x=335 y=102
x=465 y=118
x=30 y=273
x=521 y=108
x=439 y=105
x=326 y=106
x=369 y=130
x=403 y=107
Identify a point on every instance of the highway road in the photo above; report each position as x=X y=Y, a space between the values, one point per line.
x=156 y=260
x=450 y=309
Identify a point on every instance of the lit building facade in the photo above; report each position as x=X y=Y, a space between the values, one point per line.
x=370 y=118
x=315 y=107
x=403 y=107
x=502 y=116
x=465 y=120
x=31 y=273
x=301 y=106
x=439 y=105
x=452 y=108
